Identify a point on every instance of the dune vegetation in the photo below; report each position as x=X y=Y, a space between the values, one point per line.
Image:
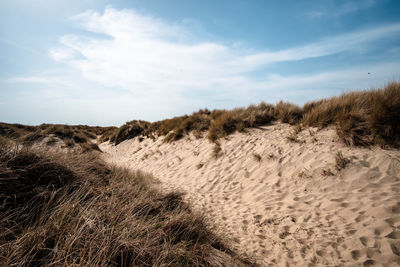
x=71 y=209
x=85 y=137
x=364 y=118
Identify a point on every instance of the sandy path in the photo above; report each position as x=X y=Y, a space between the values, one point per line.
x=292 y=206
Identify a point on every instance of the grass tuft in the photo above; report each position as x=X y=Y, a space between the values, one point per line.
x=292 y=137
x=217 y=150
x=341 y=161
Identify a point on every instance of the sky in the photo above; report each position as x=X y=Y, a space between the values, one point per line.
x=103 y=62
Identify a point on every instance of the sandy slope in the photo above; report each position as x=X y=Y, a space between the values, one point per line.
x=292 y=207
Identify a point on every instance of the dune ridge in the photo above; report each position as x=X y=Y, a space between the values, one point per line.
x=309 y=199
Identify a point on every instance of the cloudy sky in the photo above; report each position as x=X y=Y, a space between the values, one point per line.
x=103 y=62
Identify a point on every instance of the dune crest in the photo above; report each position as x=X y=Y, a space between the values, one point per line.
x=283 y=198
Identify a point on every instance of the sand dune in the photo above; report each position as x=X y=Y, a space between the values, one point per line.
x=283 y=202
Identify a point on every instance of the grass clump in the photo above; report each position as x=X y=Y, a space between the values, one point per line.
x=217 y=150
x=51 y=141
x=228 y=122
x=341 y=161
x=69 y=135
x=74 y=210
x=174 y=136
x=292 y=137
x=361 y=118
x=288 y=113
x=130 y=130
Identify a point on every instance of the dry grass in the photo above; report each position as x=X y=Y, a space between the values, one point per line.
x=361 y=118
x=327 y=172
x=69 y=136
x=217 y=150
x=174 y=136
x=15 y=131
x=341 y=161
x=130 y=130
x=304 y=175
x=51 y=141
x=293 y=138
x=73 y=210
x=288 y=113
x=228 y=122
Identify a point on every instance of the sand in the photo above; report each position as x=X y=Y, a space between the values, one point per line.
x=281 y=202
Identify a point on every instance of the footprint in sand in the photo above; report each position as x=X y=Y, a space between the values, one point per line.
x=337 y=199
x=368 y=263
x=351 y=232
x=396 y=208
x=393 y=221
x=394 y=235
x=366 y=241
x=360 y=218
x=371 y=252
x=344 y=205
x=395 y=248
x=257 y=218
x=261 y=237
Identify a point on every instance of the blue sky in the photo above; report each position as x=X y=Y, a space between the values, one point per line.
x=106 y=62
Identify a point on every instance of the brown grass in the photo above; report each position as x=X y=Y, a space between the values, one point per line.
x=69 y=210
x=228 y=122
x=68 y=135
x=217 y=150
x=341 y=161
x=130 y=130
x=293 y=137
x=361 y=118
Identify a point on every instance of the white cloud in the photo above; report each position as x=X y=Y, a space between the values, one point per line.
x=144 y=53
x=142 y=67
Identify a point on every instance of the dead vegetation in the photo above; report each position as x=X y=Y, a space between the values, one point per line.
x=292 y=137
x=73 y=210
x=304 y=175
x=361 y=119
x=341 y=161
x=217 y=150
x=327 y=172
x=67 y=135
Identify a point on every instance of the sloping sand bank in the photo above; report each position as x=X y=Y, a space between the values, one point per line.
x=284 y=202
